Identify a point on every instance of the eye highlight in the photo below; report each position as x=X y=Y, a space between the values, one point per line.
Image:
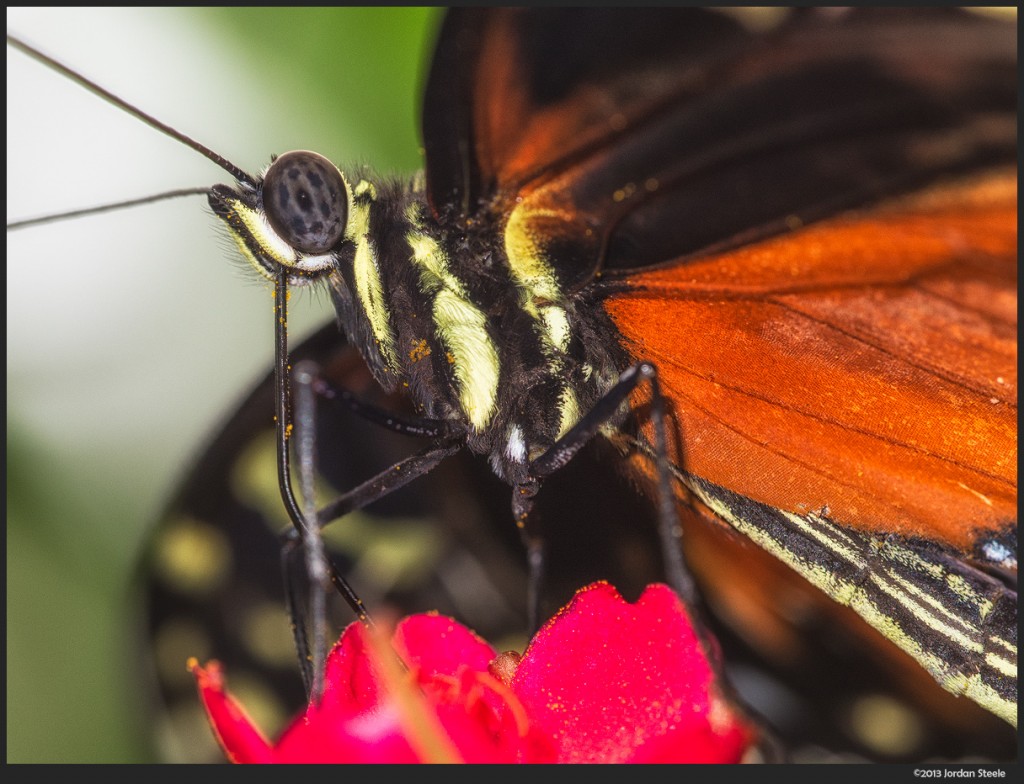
x=306 y=201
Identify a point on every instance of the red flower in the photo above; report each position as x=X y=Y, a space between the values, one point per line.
x=603 y=681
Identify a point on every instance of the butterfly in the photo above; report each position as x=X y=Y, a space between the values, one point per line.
x=778 y=327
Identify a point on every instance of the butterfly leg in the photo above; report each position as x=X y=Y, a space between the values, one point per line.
x=373 y=489
x=523 y=495
x=318 y=568
x=305 y=537
x=410 y=426
x=562 y=451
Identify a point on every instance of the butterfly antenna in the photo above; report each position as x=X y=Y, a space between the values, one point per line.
x=240 y=175
x=112 y=207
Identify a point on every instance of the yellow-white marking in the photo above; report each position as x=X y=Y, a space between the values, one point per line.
x=556 y=322
x=935 y=604
x=1005 y=666
x=541 y=298
x=922 y=614
x=1004 y=644
x=983 y=694
x=926 y=610
x=365 y=188
x=461 y=327
x=366 y=273
x=272 y=244
x=569 y=410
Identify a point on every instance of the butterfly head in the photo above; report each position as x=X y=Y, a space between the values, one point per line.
x=297 y=217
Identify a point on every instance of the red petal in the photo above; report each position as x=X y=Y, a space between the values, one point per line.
x=444 y=718
x=610 y=681
x=374 y=736
x=605 y=681
x=438 y=645
x=451 y=664
x=351 y=683
x=237 y=735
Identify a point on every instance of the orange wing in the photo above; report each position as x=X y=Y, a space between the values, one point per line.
x=865 y=365
x=845 y=397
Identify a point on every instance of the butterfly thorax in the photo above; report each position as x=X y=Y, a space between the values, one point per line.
x=467 y=317
x=473 y=332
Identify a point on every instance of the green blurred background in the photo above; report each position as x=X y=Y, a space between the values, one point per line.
x=130 y=335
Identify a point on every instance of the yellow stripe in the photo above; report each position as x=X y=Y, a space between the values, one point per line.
x=540 y=298
x=254 y=225
x=569 y=410
x=921 y=613
x=367 y=279
x=905 y=557
x=526 y=258
x=1002 y=665
x=961 y=588
x=462 y=328
x=269 y=240
x=1005 y=644
x=904 y=592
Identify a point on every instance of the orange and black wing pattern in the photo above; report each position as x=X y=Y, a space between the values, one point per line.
x=807 y=222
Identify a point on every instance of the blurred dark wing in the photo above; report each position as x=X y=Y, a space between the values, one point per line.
x=211 y=584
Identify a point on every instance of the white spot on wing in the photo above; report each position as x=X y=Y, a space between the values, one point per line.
x=1000 y=554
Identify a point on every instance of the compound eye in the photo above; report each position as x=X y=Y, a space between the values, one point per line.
x=305 y=200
